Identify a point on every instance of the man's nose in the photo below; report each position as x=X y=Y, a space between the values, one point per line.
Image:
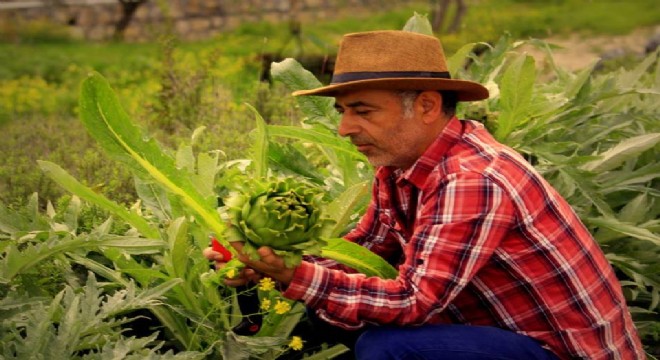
x=347 y=125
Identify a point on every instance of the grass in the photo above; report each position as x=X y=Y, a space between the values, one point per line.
x=485 y=20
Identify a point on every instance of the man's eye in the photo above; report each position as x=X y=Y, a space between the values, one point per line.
x=362 y=112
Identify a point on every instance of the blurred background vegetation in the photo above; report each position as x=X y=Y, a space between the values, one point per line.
x=172 y=86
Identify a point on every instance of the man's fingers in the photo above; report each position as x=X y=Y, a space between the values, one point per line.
x=238 y=245
x=265 y=251
x=247 y=275
x=236 y=282
x=212 y=255
x=269 y=257
x=252 y=275
x=269 y=263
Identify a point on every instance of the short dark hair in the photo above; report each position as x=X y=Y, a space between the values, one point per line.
x=449 y=101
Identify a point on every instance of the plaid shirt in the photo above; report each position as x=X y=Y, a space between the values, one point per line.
x=480 y=238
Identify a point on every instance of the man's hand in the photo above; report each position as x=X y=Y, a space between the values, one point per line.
x=248 y=298
x=245 y=276
x=270 y=263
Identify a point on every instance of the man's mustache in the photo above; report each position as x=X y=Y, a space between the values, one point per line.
x=360 y=140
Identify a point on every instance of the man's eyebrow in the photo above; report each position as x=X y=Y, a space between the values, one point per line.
x=353 y=104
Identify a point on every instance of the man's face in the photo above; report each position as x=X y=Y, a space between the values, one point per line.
x=375 y=122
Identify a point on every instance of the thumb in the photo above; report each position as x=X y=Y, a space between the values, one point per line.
x=269 y=257
x=238 y=246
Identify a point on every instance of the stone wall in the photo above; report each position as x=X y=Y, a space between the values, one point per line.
x=190 y=19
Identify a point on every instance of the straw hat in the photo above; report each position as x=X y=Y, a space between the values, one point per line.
x=394 y=60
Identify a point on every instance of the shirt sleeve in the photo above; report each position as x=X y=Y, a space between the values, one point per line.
x=459 y=225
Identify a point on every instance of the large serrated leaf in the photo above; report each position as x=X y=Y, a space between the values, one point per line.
x=260 y=145
x=628 y=229
x=108 y=123
x=623 y=151
x=343 y=207
x=177 y=256
x=419 y=24
x=636 y=210
x=72 y=185
x=285 y=157
x=154 y=198
x=204 y=177
x=317 y=137
x=515 y=94
x=319 y=110
x=458 y=60
x=17 y=261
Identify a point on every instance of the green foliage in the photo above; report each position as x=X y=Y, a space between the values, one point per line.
x=419 y=24
x=37 y=112
x=191 y=315
x=72 y=321
x=80 y=323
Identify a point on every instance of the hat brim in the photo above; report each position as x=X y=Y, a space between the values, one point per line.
x=465 y=90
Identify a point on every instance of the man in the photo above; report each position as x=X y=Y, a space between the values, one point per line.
x=493 y=263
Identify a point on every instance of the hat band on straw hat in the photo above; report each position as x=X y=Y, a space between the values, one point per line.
x=371 y=75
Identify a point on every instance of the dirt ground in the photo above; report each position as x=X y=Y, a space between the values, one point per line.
x=579 y=51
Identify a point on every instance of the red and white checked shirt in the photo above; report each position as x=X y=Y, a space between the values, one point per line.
x=480 y=238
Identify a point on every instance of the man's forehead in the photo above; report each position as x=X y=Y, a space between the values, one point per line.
x=363 y=97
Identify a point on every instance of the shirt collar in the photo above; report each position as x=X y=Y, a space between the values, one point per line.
x=419 y=172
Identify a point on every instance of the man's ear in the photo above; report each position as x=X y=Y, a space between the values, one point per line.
x=430 y=104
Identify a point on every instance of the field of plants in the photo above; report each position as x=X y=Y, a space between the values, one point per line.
x=117 y=157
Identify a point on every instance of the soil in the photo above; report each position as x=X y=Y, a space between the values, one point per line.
x=578 y=52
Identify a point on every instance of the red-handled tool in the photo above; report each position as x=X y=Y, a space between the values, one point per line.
x=217 y=247
x=247 y=297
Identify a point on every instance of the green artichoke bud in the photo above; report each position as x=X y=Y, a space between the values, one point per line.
x=284 y=214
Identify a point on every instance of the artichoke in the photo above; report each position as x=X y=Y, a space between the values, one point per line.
x=284 y=214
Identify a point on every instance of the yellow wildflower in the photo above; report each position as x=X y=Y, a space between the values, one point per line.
x=282 y=307
x=296 y=343
x=265 y=304
x=266 y=284
x=231 y=273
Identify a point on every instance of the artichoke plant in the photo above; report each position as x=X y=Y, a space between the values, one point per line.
x=284 y=214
